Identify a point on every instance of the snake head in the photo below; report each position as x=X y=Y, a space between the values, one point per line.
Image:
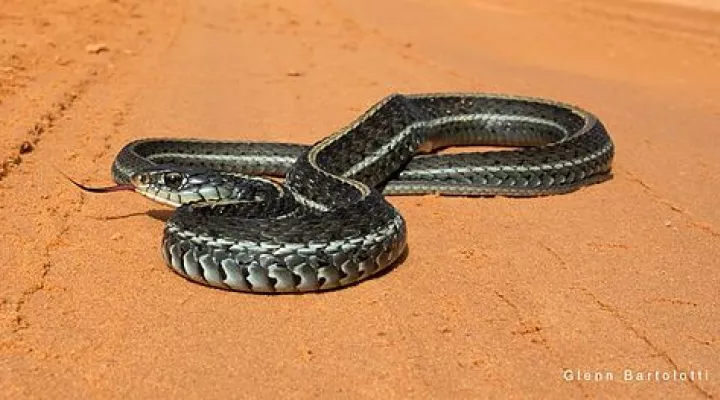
x=178 y=186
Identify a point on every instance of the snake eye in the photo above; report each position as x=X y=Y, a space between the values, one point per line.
x=173 y=179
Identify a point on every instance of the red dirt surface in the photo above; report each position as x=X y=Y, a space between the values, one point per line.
x=497 y=297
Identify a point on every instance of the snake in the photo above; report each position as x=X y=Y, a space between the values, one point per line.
x=289 y=218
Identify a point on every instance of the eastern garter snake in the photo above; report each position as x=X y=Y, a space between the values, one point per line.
x=327 y=225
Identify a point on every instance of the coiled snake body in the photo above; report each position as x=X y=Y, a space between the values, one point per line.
x=327 y=225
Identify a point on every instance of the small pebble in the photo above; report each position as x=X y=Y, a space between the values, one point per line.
x=96 y=48
x=26 y=147
x=62 y=61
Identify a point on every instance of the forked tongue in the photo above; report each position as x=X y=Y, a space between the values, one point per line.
x=106 y=189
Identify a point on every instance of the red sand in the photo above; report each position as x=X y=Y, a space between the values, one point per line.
x=497 y=297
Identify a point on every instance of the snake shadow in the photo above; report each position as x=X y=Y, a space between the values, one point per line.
x=158 y=214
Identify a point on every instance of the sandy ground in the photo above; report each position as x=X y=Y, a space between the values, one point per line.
x=497 y=297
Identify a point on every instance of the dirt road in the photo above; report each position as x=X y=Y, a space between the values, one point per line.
x=547 y=297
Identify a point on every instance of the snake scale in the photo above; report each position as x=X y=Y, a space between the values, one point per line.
x=326 y=224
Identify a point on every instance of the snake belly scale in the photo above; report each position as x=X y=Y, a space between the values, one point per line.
x=327 y=224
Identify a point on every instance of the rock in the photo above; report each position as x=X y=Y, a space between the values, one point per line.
x=26 y=147
x=96 y=48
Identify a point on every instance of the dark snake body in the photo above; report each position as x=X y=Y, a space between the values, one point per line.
x=327 y=225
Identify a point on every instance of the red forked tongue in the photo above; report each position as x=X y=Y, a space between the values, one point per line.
x=106 y=189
